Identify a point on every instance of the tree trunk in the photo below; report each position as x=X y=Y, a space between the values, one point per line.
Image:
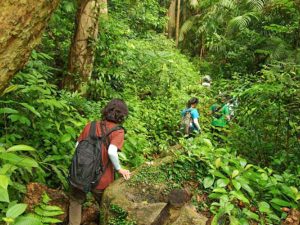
x=184 y=11
x=21 y=26
x=103 y=7
x=81 y=56
x=178 y=22
x=172 y=19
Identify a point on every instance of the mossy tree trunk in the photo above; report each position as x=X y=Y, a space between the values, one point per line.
x=172 y=19
x=21 y=26
x=81 y=56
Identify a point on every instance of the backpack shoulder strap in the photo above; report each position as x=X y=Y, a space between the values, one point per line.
x=118 y=127
x=105 y=132
x=92 y=132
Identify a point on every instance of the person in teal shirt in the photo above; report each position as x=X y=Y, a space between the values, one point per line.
x=191 y=107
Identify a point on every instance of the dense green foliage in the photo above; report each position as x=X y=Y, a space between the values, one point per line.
x=254 y=45
x=250 y=48
x=237 y=191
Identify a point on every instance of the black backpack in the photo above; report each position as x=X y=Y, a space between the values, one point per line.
x=86 y=168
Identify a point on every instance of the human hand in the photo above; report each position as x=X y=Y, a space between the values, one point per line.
x=125 y=173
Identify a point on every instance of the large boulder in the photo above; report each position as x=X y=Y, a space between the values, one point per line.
x=148 y=199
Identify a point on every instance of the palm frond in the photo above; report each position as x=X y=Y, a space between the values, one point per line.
x=241 y=22
x=256 y=4
x=229 y=4
x=280 y=49
x=216 y=44
x=185 y=28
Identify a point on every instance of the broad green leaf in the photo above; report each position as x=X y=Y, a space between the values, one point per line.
x=8 y=220
x=236 y=184
x=223 y=182
x=233 y=220
x=216 y=218
x=8 y=111
x=65 y=138
x=28 y=220
x=250 y=214
x=46 y=198
x=49 y=220
x=9 y=89
x=123 y=156
x=239 y=195
x=243 y=221
x=44 y=213
x=235 y=173
x=7 y=168
x=281 y=202
x=227 y=170
x=19 y=118
x=264 y=207
x=4 y=195
x=207 y=142
x=218 y=162
x=51 y=158
x=215 y=195
x=243 y=162
x=16 y=210
x=288 y=191
x=294 y=190
x=298 y=197
x=220 y=190
x=18 y=160
x=16 y=148
x=218 y=174
x=248 y=166
x=208 y=182
x=4 y=181
x=248 y=189
x=50 y=207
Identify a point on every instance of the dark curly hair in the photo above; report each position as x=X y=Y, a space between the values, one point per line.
x=193 y=100
x=115 y=111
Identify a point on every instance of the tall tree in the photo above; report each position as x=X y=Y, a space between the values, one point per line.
x=172 y=19
x=103 y=7
x=22 y=23
x=178 y=21
x=81 y=56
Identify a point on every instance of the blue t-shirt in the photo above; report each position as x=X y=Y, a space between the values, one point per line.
x=194 y=113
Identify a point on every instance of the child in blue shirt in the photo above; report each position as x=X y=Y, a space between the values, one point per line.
x=191 y=107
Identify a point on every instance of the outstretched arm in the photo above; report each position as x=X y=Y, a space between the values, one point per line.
x=114 y=158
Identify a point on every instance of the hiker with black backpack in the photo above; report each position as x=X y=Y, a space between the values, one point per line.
x=190 y=118
x=96 y=158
